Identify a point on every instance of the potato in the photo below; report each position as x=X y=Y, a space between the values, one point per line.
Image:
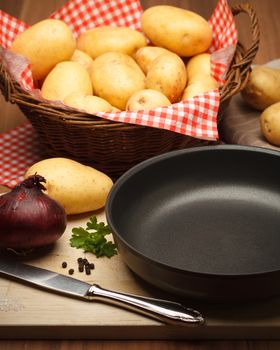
x=146 y=55
x=180 y=31
x=199 y=77
x=146 y=99
x=270 y=123
x=77 y=187
x=115 y=77
x=262 y=88
x=45 y=44
x=84 y=59
x=167 y=74
x=198 y=87
x=104 y=39
x=90 y=104
x=198 y=66
x=64 y=79
x=115 y=109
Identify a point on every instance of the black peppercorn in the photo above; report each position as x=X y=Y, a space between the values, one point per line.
x=64 y=264
x=71 y=271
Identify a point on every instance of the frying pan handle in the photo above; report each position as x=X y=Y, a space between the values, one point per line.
x=164 y=310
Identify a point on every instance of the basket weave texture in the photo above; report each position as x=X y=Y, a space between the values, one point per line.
x=114 y=147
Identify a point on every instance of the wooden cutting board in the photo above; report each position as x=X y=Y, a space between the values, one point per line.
x=29 y=313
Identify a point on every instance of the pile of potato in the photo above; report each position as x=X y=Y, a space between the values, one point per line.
x=262 y=92
x=111 y=68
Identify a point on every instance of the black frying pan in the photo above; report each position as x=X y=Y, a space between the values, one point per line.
x=202 y=222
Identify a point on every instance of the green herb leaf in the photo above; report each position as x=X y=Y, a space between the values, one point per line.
x=100 y=227
x=92 y=239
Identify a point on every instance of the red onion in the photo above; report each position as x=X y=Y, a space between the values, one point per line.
x=28 y=217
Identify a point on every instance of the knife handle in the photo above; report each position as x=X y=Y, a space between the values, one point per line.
x=167 y=311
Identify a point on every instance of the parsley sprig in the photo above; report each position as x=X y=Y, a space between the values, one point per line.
x=92 y=238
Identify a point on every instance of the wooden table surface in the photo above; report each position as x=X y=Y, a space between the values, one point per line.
x=32 y=11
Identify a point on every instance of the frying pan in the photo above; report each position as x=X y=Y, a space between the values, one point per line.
x=202 y=222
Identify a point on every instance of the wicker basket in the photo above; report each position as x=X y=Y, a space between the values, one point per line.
x=114 y=147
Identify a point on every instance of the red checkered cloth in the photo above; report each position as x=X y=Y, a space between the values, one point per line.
x=224 y=40
x=196 y=117
x=19 y=149
x=81 y=15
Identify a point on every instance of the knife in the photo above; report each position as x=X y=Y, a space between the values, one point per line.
x=164 y=310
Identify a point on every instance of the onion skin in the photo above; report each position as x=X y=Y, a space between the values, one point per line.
x=29 y=218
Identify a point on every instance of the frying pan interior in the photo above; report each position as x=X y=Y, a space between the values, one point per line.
x=210 y=212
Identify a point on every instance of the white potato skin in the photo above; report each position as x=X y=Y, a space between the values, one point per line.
x=167 y=74
x=270 y=124
x=146 y=55
x=146 y=99
x=200 y=86
x=115 y=77
x=84 y=59
x=88 y=103
x=45 y=44
x=77 y=187
x=100 y=40
x=180 y=31
x=197 y=66
x=263 y=87
x=64 y=79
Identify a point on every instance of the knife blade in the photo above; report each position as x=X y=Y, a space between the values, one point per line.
x=164 y=310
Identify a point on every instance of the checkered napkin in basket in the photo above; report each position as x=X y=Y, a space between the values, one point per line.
x=196 y=117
